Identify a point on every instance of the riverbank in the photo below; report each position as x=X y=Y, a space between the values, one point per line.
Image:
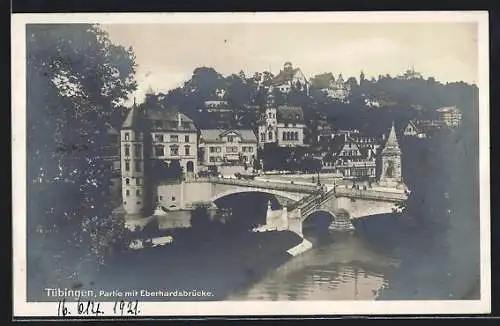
x=215 y=264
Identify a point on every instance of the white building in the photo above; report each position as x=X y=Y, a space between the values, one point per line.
x=290 y=77
x=149 y=135
x=283 y=125
x=227 y=147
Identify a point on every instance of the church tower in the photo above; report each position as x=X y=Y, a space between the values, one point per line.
x=391 y=174
x=132 y=163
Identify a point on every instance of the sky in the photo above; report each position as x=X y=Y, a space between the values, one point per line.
x=167 y=54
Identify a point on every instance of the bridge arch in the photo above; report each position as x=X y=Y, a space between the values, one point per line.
x=337 y=215
x=264 y=191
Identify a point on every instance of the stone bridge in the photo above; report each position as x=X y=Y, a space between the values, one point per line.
x=190 y=193
x=299 y=201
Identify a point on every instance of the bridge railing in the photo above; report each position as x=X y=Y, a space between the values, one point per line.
x=370 y=194
x=302 y=202
x=310 y=206
x=261 y=184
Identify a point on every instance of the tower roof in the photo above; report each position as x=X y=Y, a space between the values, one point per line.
x=131 y=120
x=392 y=145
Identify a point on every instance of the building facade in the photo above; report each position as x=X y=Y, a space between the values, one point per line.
x=283 y=125
x=423 y=128
x=227 y=147
x=290 y=77
x=351 y=157
x=451 y=116
x=338 y=89
x=150 y=136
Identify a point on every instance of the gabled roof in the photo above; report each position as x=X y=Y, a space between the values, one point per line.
x=215 y=135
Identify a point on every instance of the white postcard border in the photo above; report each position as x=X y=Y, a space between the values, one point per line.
x=246 y=308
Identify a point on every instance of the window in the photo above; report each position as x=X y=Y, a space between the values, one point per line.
x=138 y=202
x=229 y=139
x=187 y=150
x=137 y=150
x=212 y=149
x=284 y=135
x=262 y=136
x=174 y=150
x=138 y=181
x=250 y=149
x=127 y=150
x=159 y=138
x=212 y=159
x=127 y=165
x=138 y=166
x=159 y=150
x=127 y=181
x=127 y=136
x=161 y=197
x=186 y=138
x=270 y=135
x=138 y=192
x=173 y=198
x=174 y=138
x=127 y=192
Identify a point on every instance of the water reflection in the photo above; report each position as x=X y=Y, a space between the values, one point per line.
x=343 y=269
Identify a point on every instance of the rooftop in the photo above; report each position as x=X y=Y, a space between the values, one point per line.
x=215 y=135
x=158 y=119
x=290 y=114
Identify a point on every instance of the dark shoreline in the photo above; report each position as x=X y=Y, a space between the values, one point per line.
x=192 y=265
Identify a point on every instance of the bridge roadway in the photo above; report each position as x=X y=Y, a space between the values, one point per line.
x=343 y=202
x=272 y=185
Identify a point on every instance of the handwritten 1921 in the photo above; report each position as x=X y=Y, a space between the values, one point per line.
x=92 y=308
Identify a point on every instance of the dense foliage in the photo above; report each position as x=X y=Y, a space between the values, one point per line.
x=76 y=81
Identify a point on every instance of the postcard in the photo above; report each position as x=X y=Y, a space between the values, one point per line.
x=250 y=164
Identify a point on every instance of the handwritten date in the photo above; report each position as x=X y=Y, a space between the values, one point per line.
x=92 y=308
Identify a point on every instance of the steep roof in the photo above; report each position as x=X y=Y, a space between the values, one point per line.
x=131 y=119
x=392 y=144
x=289 y=114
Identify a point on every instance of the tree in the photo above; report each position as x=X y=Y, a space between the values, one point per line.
x=175 y=170
x=76 y=79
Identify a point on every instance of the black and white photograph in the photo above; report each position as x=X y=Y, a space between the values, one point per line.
x=250 y=163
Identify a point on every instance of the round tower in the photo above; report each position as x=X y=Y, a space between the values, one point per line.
x=132 y=165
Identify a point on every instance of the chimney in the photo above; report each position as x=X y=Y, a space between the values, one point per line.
x=179 y=120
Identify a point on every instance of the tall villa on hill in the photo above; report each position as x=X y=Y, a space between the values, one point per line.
x=290 y=77
x=338 y=89
x=152 y=138
x=451 y=116
x=283 y=125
